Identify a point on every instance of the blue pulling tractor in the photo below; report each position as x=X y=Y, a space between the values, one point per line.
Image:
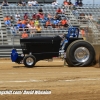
x=78 y=52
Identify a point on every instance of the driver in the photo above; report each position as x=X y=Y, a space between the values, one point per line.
x=63 y=43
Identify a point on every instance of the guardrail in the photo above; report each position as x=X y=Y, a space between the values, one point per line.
x=5 y=51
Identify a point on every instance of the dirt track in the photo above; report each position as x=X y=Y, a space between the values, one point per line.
x=65 y=83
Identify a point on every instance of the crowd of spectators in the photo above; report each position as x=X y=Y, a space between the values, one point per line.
x=82 y=16
x=33 y=24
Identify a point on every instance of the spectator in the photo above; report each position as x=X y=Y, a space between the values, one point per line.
x=48 y=23
x=34 y=3
x=82 y=16
x=77 y=3
x=41 y=16
x=17 y=17
x=38 y=16
x=5 y=3
x=55 y=23
x=64 y=23
x=59 y=11
x=23 y=23
x=80 y=3
x=45 y=18
x=11 y=19
x=40 y=11
x=49 y=16
x=25 y=16
x=58 y=17
x=76 y=13
x=31 y=28
x=65 y=3
x=30 y=3
x=55 y=4
x=20 y=3
x=19 y=25
x=13 y=30
x=24 y=35
x=19 y=21
x=34 y=16
x=31 y=22
x=23 y=2
x=82 y=31
x=70 y=3
x=90 y=17
x=63 y=11
x=36 y=22
x=38 y=29
x=7 y=21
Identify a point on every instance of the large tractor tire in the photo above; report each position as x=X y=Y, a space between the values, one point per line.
x=29 y=61
x=80 y=53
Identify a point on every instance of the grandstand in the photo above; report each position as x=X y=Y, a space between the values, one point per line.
x=21 y=10
x=8 y=41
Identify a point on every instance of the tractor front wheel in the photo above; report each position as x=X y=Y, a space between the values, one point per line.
x=29 y=61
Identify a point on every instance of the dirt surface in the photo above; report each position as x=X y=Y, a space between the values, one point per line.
x=64 y=83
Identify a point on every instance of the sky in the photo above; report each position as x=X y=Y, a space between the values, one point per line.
x=84 y=1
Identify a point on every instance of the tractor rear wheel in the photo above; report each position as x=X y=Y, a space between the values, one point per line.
x=80 y=53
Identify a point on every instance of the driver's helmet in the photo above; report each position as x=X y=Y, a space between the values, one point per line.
x=73 y=32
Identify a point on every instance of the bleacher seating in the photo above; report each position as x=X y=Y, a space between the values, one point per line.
x=26 y=9
x=12 y=10
x=94 y=11
x=47 y=8
x=90 y=9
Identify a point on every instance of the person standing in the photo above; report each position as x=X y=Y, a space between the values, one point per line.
x=24 y=35
x=13 y=30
